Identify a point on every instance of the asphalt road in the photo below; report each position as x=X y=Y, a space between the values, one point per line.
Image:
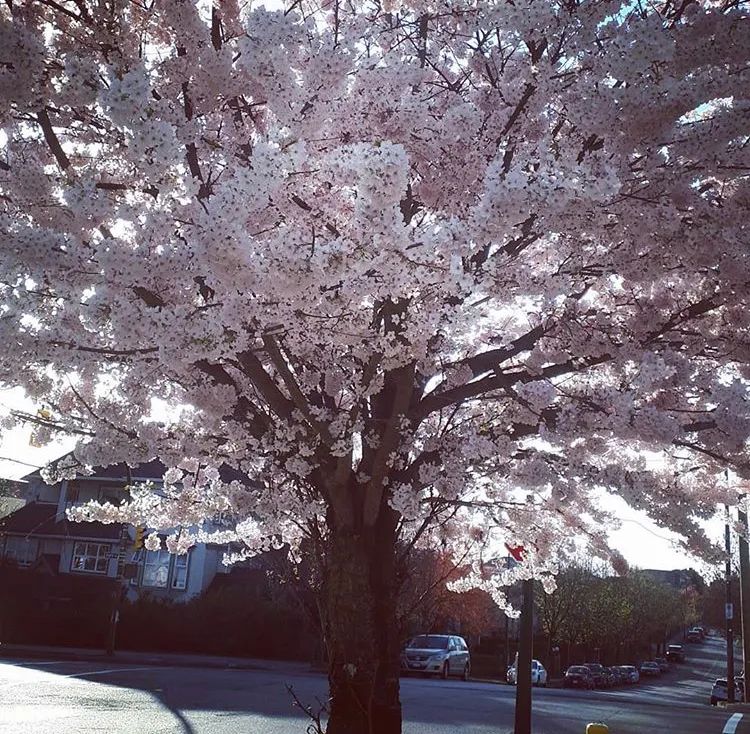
x=59 y=697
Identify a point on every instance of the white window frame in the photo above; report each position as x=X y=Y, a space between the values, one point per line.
x=155 y=559
x=82 y=552
x=180 y=571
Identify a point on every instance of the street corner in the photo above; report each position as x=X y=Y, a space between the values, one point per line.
x=737 y=721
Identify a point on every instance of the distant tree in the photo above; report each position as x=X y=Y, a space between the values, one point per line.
x=427 y=605
x=559 y=612
x=597 y=611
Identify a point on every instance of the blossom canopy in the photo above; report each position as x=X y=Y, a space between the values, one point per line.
x=471 y=263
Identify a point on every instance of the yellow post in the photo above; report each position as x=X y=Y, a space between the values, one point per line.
x=597 y=728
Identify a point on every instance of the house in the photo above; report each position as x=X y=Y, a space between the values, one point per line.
x=38 y=536
x=681 y=579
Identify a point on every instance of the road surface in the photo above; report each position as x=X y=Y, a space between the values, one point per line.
x=60 y=697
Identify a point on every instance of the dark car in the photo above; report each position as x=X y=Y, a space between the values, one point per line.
x=649 y=668
x=578 y=676
x=629 y=673
x=719 y=690
x=694 y=636
x=675 y=654
x=611 y=677
x=663 y=664
x=597 y=673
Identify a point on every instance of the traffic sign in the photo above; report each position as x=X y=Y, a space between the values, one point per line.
x=729 y=611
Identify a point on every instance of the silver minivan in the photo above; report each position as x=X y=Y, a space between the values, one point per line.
x=441 y=655
x=719 y=690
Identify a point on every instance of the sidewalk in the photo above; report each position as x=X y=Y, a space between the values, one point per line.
x=130 y=657
x=741 y=707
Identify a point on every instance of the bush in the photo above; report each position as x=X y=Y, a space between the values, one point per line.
x=50 y=610
x=232 y=620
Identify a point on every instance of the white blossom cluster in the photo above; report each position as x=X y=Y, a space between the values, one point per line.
x=330 y=275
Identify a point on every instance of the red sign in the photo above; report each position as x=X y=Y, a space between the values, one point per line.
x=517 y=552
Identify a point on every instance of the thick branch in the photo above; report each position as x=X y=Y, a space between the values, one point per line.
x=275 y=399
x=699 y=308
x=105 y=351
x=273 y=351
x=51 y=139
x=501 y=381
x=244 y=411
x=402 y=384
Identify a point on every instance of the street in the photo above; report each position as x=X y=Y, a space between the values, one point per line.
x=54 y=697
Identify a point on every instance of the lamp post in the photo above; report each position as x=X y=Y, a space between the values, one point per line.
x=729 y=612
x=744 y=590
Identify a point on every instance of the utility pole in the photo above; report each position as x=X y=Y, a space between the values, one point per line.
x=507 y=646
x=523 y=664
x=744 y=591
x=729 y=612
x=118 y=591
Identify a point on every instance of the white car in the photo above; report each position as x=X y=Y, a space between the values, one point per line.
x=538 y=674
x=630 y=673
x=441 y=655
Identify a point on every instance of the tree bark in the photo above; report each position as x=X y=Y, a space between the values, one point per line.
x=361 y=628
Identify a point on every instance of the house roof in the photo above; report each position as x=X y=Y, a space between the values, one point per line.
x=153 y=469
x=40 y=518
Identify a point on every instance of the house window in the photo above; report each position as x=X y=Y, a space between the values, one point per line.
x=23 y=551
x=90 y=557
x=180 y=571
x=156 y=569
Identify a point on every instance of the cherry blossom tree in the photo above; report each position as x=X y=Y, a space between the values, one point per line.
x=418 y=272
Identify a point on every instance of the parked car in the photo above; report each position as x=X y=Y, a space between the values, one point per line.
x=630 y=673
x=441 y=655
x=719 y=690
x=650 y=668
x=675 y=654
x=578 y=676
x=694 y=635
x=663 y=664
x=611 y=677
x=620 y=677
x=539 y=674
x=597 y=672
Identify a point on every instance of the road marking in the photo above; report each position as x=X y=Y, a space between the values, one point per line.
x=111 y=670
x=75 y=675
x=732 y=723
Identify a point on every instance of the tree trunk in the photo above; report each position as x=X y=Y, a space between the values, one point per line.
x=361 y=629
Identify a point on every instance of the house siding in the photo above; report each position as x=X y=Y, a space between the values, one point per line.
x=43 y=519
x=38 y=491
x=66 y=560
x=53 y=546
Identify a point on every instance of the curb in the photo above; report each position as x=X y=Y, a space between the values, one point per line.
x=742 y=707
x=135 y=657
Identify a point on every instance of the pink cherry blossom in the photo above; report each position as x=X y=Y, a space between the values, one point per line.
x=439 y=277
